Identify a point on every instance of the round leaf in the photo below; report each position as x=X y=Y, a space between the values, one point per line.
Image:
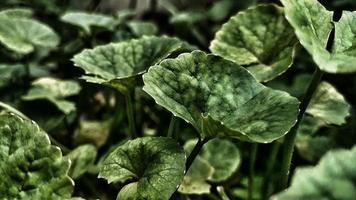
x=336 y=167
x=260 y=38
x=220 y=98
x=82 y=158
x=154 y=167
x=23 y=34
x=119 y=64
x=30 y=167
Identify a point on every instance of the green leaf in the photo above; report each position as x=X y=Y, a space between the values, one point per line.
x=87 y=20
x=259 y=38
x=220 y=101
x=223 y=156
x=119 y=65
x=336 y=167
x=82 y=158
x=30 y=167
x=10 y=73
x=143 y=28
x=153 y=167
x=17 y=12
x=94 y=132
x=54 y=90
x=313 y=24
x=329 y=105
x=23 y=34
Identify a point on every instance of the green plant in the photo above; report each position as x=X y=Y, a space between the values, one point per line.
x=135 y=104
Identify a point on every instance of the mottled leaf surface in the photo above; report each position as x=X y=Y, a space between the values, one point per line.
x=336 y=167
x=313 y=24
x=220 y=98
x=23 y=34
x=82 y=158
x=30 y=167
x=119 y=64
x=87 y=20
x=55 y=91
x=259 y=38
x=154 y=167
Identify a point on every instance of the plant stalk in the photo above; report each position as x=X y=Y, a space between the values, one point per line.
x=198 y=146
x=130 y=116
x=289 y=139
x=253 y=155
x=132 y=4
x=270 y=166
x=171 y=128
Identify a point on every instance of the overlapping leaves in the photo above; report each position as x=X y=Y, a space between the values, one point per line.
x=220 y=98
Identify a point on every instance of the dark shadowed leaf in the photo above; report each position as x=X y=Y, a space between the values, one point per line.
x=82 y=158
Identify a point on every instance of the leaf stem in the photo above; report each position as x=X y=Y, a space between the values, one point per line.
x=270 y=166
x=130 y=116
x=253 y=155
x=198 y=146
x=289 y=139
x=172 y=124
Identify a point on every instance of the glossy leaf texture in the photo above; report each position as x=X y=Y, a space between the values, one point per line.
x=82 y=158
x=88 y=20
x=150 y=168
x=259 y=38
x=21 y=33
x=337 y=167
x=220 y=98
x=313 y=25
x=30 y=167
x=55 y=91
x=120 y=64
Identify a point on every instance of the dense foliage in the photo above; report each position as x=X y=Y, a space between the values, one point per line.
x=177 y=99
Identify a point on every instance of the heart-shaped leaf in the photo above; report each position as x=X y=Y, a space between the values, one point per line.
x=336 y=167
x=119 y=64
x=313 y=25
x=82 y=158
x=30 y=167
x=54 y=90
x=87 y=20
x=259 y=38
x=220 y=98
x=22 y=34
x=151 y=168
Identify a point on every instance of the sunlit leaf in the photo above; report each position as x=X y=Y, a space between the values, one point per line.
x=30 y=167
x=313 y=25
x=220 y=98
x=150 y=168
x=55 y=91
x=82 y=158
x=17 y=12
x=94 y=132
x=143 y=28
x=259 y=38
x=119 y=65
x=336 y=167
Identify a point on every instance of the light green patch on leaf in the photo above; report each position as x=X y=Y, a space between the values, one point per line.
x=151 y=168
x=313 y=24
x=189 y=17
x=92 y=131
x=23 y=34
x=336 y=167
x=259 y=38
x=82 y=158
x=30 y=167
x=220 y=98
x=55 y=91
x=87 y=20
x=329 y=105
x=143 y=28
x=223 y=156
x=17 y=12
x=120 y=65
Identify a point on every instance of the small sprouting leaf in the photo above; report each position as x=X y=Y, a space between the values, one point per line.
x=23 y=34
x=82 y=158
x=259 y=38
x=120 y=64
x=223 y=156
x=151 y=168
x=220 y=98
x=30 y=167
x=143 y=28
x=313 y=25
x=336 y=167
x=88 y=20
x=55 y=91
x=329 y=105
